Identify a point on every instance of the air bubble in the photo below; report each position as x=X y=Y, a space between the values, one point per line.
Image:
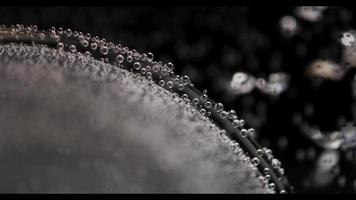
x=241 y=123
x=84 y=43
x=129 y=59
x=120 y=59
x=180 y=86
x=259 y=152
x=243 y=132
x=196 y=101
x=137 y=66
x=224 y=114
x=72 y=49
x=255 y=161
x=94 y=46
x=162 y=83
x=60 y=46
x=186 y=80
x=276 y=163
x=104 y=50
x=143 y=71
x=204 y=97
x=203 y=111
x=208 y=104
x=235 y=123
x=219 y=107
x=170 y=84
x=156 y=68
x=251 y=132
x=150 y=56
x=170 y=66
x=272 y=186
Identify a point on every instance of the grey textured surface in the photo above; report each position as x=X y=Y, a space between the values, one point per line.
x=65 y=130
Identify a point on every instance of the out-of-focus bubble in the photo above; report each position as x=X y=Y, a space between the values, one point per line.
x=311 y=13
x=326 y=69
x=288 y=25
x=330 y=140
x=348 y=136
x=323 y=173
x=276 y=84
x=347 y=39
x=345 y=138
x=242 y=83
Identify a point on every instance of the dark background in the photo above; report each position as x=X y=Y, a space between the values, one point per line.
x=210 y=44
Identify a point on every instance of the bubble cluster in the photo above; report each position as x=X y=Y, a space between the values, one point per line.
x=105 y=61
x=311 y=13
x=243 y=83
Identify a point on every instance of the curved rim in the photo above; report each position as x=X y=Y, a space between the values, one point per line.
x=248 y=144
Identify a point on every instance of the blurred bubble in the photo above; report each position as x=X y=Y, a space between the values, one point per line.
x=311 y=13
x=242 y=83
x=326 y=69
x=288 y=25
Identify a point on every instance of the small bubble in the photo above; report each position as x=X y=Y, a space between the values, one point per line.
x=104 y=50
x=276 y=163
x=162 y=83
x=137 y=66
x=186 y=80
x=84 y=43
x=176 y=80
x=42 y=36
x=267 y=177
x=266 y=171
x=203 y=111
x=170 y=84
x=143 y=71
x=235 y=123
x=60 y=46
x=72 y=48
x=204 y=97
x=148 y=68
x=251 y=132
x=272 y=186
x=219 y=107
x=208 y=104
x=196 y=101
x=150 y=56
x=56 y=38
x=120 y=59
x=259 y=152
x=224 y=114
x=94 y=46
x=243 y=132
x=136 y=56
x=170 y=66
x=180 y=87
x=129 y=59
x=255 y=161
x=156 y=68
x=87 y=54
x=241 y=123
